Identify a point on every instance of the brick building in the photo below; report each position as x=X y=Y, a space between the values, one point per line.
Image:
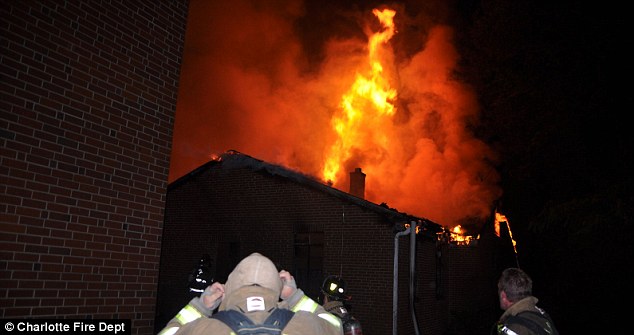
x=88 y=95
x=236 y=205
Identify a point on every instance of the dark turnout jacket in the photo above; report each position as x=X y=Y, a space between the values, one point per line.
x=525 y=318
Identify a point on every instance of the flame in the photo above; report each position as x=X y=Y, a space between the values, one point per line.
x=324 y=101
x=457 y=236
x=407 y=225
x=498 y=218
x=502 y=218
x=365 y=106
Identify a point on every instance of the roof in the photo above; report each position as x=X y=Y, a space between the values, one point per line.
x=232 y=159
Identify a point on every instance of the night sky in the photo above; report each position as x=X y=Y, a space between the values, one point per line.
x=517 y=105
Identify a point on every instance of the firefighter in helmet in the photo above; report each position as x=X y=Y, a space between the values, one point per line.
x=334 y=297
x=201 y=276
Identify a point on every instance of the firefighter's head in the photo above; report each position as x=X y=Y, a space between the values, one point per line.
x=334 y=287
x=254 y=269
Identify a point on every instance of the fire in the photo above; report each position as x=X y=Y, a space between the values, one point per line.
x=499 y=218
x=365 y=106
x=457 y=236
x=389 y=105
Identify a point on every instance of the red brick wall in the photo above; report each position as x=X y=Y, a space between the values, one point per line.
x=87 y=97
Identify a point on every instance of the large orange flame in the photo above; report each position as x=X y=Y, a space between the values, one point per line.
x=365 y=106
x=388 y=105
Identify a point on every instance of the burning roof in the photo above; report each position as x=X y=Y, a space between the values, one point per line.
x=233 y=159
x=402 y=116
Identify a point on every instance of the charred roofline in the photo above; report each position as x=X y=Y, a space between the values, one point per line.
x=233 y=159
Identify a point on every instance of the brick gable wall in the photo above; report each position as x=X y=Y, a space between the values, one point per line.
x=214 y=208
x=229 y=213
x=87 y=94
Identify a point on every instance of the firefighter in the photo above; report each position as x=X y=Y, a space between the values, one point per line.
x=254 y=288
x=334 y=297
x=201 y=276
x=521 y=315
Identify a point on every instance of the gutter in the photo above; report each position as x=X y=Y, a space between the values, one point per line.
x=412 y=259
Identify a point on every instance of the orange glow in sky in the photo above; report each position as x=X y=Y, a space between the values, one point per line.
x=248 y=83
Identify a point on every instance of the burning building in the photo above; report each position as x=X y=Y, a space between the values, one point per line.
x=236 y=204
x=404 y=117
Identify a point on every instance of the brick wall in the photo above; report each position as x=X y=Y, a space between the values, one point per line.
x=212 y=208
x=471 y=288
x=229 y=212
x=87 y=97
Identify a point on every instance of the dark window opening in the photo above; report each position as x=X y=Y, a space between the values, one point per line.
x=308 y=261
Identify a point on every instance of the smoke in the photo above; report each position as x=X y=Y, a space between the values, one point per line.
x=266 y=78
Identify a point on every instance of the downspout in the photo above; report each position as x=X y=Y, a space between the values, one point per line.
x=412 y=276
x=412 y=272
x=395 y=290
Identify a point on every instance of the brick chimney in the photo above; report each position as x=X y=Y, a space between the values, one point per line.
x=357 y=183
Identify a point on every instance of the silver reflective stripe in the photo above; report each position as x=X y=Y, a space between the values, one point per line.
x=507 y=330
x=306 y=304
x=335 y=321
x=188 y=314
x=169 y=331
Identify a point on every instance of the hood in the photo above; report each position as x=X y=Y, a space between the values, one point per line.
x=254 y=269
